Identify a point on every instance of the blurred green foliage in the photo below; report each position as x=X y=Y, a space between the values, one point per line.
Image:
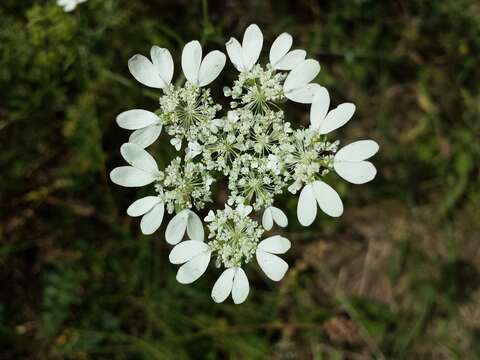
x=397 y=277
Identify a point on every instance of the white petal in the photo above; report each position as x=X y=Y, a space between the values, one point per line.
x=136 y=119
x=275 y=245
x=195 y=227
x=251 y=45
x=306 y=207
x=176 y=227
x=357 y=151
x=280 y=48
x=356 y=172
x=146 y=136
x=191 y=59
x=141 y=206
x=234 y=51
x=279 y=217
x=319 y=108
x=194 y=268
x=267 y=219
x=163 y=62
x=301 y=75
x=152 y=220
x=305 y=94
x=244 y=210
x=291 y=60
x=337 y=118
x=240 y=288
x=187 y=250
x=272 y=265
x=210 y=216
x=129 y=176
x=145 y=72
x=212 y=66
x=138 y=157
x=223 y=285
x=327 y=199
x=176 y=143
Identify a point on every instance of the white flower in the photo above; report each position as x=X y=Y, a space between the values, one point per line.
x=245 y=56
x=151 y=209
x=193 y=149
x=194 y=255
x=323 y=120
x=198 y=72
x=272 y=265
x=69 y=5
x=143 y=169
x=146 y=124
x=281 y=58
x=232 y=280
x=184 y=220
x=297 y=86
x=271 y=215
x=321 y=193
x=176 y=143
x=349 y=161
x=156 y=73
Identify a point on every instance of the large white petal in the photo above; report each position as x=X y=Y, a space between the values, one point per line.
x=357 y=151
x=301 y=75
x=337 y=117
x=195 y=227
x=319 y=108
x=163 y=62
x=275 y=244
x=212 y=65
x=251 y=45
x=129 y=176
x=187 y=250
x=272 y=265
x=152 y=220
x=240 y=288
x=267 y=219
x=176 y=227
x=223 y=285
x=136 y=119
x=306 y=207
x=234 y=51
x=356 y=172
x=279 y=217
x=291 y=60
x=305 y=94
x=191 y=59
x=327 y=199
x=142 y=206
x=138 y=157
x=280 y=48
x=146 y=136
x=145 y=72
x=194 y=268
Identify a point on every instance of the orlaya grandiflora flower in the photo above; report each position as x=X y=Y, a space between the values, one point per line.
x=185 y=220
x=201 y=72
x=151 y=209
x=244 y=56
x=147 y=126
x=69 y=5
x=157 y=72
x=143 y=169
x=281 y=58
x=194 y=255
x=349 y=162
x=298 y=86
x=272 y=265
x=272 y=215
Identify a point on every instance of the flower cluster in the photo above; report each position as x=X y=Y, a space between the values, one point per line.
x=250 y=144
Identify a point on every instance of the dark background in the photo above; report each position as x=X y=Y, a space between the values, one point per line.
x=396 y=277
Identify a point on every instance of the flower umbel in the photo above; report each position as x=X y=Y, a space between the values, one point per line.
x=249 y=146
